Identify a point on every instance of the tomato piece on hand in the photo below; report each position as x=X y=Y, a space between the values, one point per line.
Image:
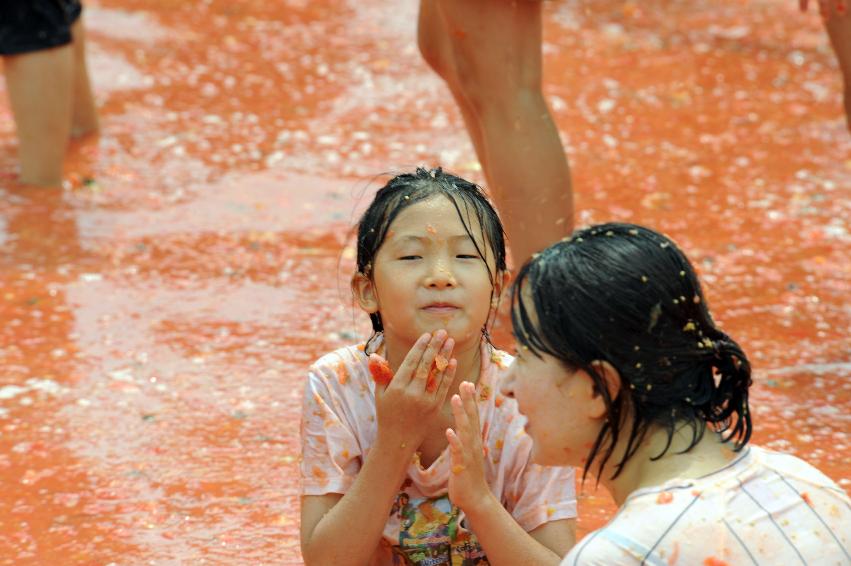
x=380 y=370
x=431 y=382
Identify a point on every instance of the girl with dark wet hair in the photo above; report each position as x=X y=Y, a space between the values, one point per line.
x=622 y=371
x=385 y=480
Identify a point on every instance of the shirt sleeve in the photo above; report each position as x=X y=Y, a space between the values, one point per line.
x=331 y=455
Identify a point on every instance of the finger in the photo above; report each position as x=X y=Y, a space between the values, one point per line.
x=441 y=364
x=427 y=359
x=447 y=380
x=456 y=447
x=456 y=452
x=462 y=422
x=471 y=411
x=412 y=360
x=468 y=399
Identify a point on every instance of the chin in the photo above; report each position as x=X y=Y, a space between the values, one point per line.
x=456 y=331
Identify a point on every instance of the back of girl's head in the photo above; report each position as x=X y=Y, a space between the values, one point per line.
x=474 y=210
x=627 y=295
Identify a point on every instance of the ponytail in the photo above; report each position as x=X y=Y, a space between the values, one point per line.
x=730 y=392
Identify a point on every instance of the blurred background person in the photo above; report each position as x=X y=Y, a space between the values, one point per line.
x=42 y=44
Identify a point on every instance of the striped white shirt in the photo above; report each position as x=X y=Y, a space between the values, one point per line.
x=763 y=508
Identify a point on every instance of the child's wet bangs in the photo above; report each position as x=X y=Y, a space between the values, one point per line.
x=526 y=332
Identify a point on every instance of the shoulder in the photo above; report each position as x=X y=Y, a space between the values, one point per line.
x=791 y=467
x=343 y=374
x=342 y=364
x=602 y=548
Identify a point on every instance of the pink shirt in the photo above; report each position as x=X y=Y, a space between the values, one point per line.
x=339 y=428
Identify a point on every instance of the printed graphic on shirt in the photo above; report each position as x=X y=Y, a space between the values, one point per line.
x=430 y=534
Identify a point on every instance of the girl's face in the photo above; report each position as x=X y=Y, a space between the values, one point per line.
x=427 y=275
x=563 y=411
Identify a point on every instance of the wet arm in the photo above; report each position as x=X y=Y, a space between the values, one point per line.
x=506 y=543
x=346 y=529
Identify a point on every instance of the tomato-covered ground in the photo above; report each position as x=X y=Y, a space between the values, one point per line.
x=157 y=314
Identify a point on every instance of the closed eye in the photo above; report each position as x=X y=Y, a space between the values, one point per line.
x=465 y=256
x=410 y=257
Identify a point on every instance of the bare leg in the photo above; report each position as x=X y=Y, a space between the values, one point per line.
x=495 y=67
x=39 y=85
x=84 y=117
x=433 y=40
x=839 y=30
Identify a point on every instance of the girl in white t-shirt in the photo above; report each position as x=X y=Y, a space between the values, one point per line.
x=623 y=372
x=378 y=483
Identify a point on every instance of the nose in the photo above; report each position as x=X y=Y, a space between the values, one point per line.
x=440 y=275
x=507 y=386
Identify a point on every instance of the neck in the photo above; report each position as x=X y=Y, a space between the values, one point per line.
x=707 y=456
x=467 y=353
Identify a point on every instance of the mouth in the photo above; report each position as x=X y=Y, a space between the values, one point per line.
x=440 y=308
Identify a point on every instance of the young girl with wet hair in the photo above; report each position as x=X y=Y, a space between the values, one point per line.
x=623 y=372
x=380 y=483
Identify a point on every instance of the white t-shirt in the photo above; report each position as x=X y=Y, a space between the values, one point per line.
x=339 y=428
x=763 y=508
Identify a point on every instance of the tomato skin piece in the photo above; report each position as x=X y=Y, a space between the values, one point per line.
x=439 y=365
x=431 y=382
x=380 y=370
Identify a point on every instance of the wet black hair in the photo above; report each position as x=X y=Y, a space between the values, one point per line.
x=407 y=189
x=627 y=295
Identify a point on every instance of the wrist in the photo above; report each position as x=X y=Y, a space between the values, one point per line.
x=395 y=452
x=481 y=505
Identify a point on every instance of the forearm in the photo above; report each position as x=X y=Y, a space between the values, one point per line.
x=351 y=530
x=503 y=539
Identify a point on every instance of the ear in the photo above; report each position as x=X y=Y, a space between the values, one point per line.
x=363 y=290
x=611 y=380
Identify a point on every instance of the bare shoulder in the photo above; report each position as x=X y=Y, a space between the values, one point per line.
x=559 y=536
